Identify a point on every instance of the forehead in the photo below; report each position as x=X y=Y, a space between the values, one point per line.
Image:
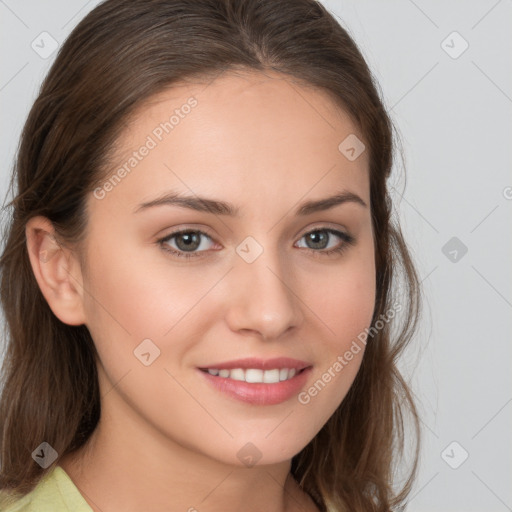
x=253 y=135
x=271 y=87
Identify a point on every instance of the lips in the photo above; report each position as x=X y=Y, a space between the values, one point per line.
x=254 y=380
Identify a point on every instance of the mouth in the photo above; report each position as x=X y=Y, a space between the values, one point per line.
x=257 y=381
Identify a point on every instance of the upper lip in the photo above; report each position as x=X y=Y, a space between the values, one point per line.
x=261 y=364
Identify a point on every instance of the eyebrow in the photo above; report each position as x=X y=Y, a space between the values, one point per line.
x=203 y=204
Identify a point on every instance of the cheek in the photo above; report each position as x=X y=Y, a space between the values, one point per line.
x=133 y=298
x=131 y=295
x=345 y=307
x=344 y=299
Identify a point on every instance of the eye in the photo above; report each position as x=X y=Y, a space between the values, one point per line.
x=187 y=241
x=319 y=239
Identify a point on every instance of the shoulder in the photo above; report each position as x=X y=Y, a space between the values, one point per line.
x=56 y=492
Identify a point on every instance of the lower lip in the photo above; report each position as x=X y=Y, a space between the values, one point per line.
x=259 y=393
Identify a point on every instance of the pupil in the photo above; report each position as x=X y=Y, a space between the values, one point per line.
x=189 y=240
x=318 y=237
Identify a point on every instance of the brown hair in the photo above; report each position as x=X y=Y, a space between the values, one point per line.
x=119 y=55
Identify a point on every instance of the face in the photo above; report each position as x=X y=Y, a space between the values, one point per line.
x=257 y=275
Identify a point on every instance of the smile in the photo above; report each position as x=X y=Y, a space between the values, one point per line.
x=255 y=375
x=256 y=386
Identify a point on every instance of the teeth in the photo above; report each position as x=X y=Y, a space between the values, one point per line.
x=237 y=374
x=271 y=376
x=255 y=375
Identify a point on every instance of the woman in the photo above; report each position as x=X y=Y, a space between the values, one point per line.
x=198 y=277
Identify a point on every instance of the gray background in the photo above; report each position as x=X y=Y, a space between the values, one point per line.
x=453 y=111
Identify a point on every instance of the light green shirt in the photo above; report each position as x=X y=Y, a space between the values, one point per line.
x=56 y=492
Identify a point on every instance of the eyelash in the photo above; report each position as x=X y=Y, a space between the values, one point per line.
x=347 y=241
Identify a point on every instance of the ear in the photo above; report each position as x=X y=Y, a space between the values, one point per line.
x=57 y=271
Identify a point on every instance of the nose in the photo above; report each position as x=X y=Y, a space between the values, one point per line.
x=263 y=299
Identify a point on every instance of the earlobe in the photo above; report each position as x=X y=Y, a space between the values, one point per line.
x=57 y=271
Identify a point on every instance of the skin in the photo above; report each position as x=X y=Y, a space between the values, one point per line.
x=167 y=440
